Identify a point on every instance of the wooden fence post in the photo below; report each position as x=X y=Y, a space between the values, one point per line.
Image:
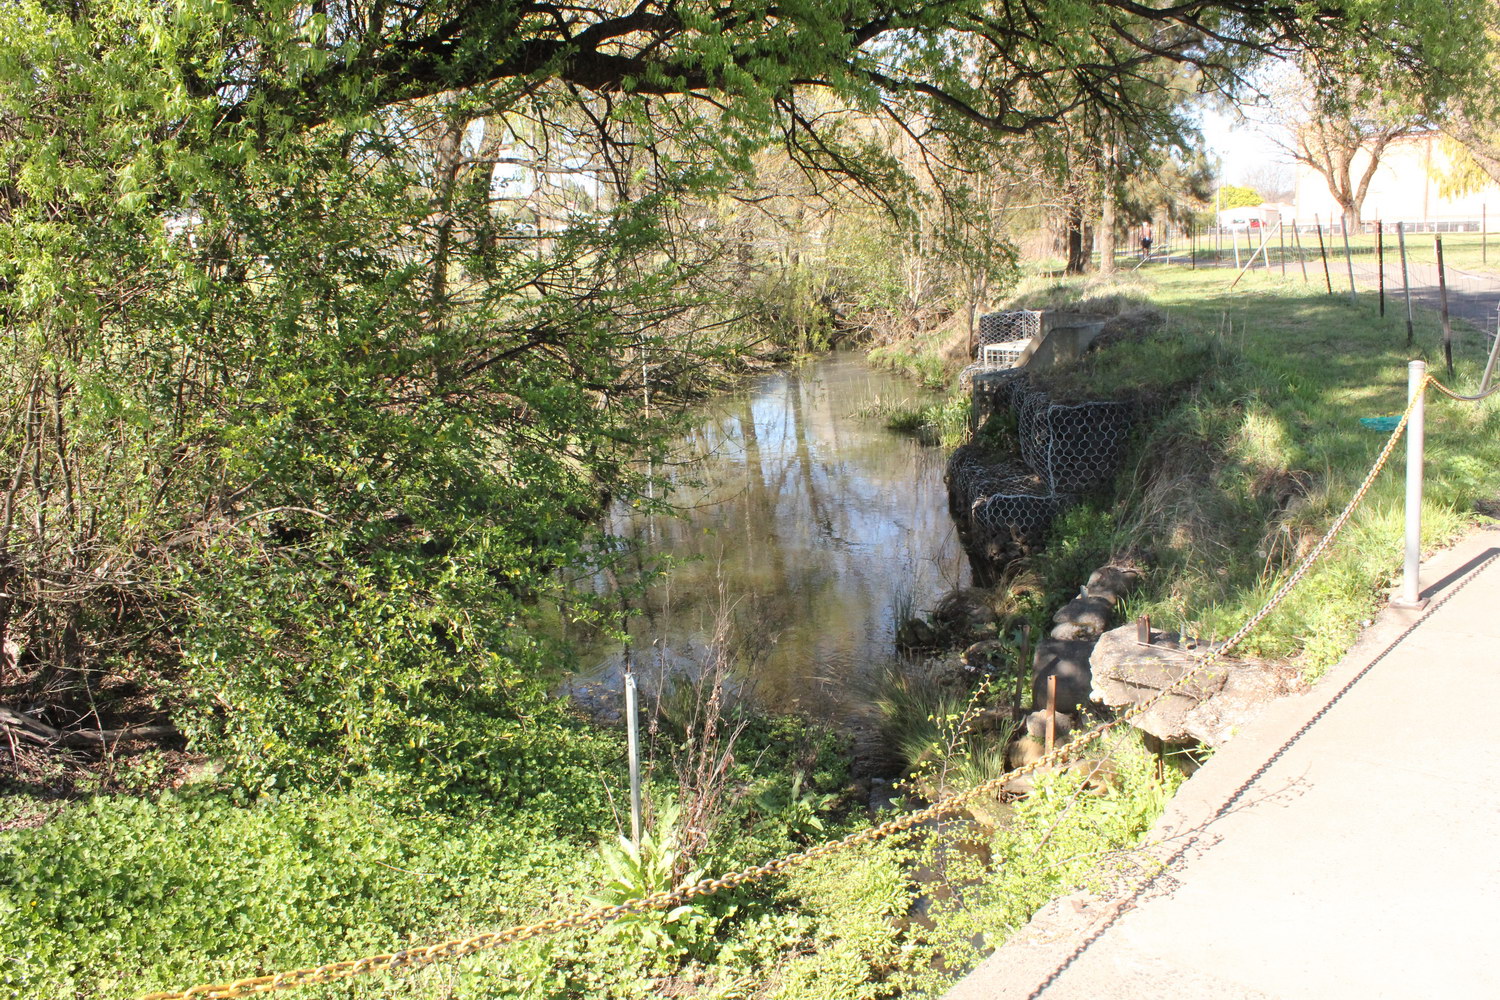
x=1405 y=280
x=1380 y=255
x=1443 y=301
x=1323 y=252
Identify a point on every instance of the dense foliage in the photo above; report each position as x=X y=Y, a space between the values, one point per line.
x=328 y=327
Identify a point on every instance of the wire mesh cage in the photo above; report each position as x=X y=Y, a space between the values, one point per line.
x=1075 y=447
x=1008 y=326
x=1004 y=508
x=992 y=391
x=1002 y=342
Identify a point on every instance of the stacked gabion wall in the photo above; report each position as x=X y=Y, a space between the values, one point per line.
x=1003 y=509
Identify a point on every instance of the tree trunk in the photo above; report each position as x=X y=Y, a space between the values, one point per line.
x=1107 y=233
x=1107 y=212
x=446 y=164
x=1351 y=218
x=1078 y=237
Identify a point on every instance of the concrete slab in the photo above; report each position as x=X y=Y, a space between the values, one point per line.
x=1346 y=844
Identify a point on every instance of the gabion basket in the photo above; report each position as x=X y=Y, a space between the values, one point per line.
x=1065 y=449
x=1006 y=327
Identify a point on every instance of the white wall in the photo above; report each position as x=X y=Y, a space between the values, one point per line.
x=1404 y=188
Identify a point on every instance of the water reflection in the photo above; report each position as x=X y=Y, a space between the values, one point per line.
x=810 y=528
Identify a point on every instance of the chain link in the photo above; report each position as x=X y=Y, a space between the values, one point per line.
x=1453 y=394
x=459 y=947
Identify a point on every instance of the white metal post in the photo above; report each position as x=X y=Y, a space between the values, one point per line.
x=1416 y=377
x=633 y=735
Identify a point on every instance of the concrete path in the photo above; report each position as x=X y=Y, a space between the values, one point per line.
x=1346 y=845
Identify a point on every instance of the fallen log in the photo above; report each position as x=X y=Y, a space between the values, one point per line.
x=39 y=732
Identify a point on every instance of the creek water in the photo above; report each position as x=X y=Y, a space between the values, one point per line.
x=808 y=532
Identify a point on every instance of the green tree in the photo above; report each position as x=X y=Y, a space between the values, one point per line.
x=1238 y=196
x=308 y=408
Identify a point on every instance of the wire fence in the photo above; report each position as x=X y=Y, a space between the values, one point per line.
x=416 y=957
x=1384 y=262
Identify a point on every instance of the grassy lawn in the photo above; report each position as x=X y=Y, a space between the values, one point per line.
x=1256 y=445
x=1475 y=253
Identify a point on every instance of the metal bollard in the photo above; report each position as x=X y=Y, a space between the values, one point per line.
x=633 y=737
x=1410 y=595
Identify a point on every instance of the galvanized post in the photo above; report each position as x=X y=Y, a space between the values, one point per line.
x=633 y=738
x=1416 y=378
x=1484 y=234
x=1297 y=242
x=1281 y=234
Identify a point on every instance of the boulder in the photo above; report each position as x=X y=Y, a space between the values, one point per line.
x=964 y=608
x=1062 y=726
x=1089 y=613
x=995 y=719
x=1112 y=583
x=1085 y=610
x=1073 y=632
x=1022 y=752
x=1068 y=661
x=1208 y=709
x=914 y=633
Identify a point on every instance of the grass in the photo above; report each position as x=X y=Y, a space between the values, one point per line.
x=1257 y=445
x=1470 y=252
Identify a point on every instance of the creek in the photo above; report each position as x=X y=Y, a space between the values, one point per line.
x=808 y=532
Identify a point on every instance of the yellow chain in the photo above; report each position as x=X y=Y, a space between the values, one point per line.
x=458 y=947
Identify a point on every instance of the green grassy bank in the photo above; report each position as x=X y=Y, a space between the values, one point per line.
x=1252 y=445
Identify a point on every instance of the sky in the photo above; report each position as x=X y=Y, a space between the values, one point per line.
x=1243 y=148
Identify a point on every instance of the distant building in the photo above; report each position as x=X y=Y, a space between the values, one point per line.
x=1405 y=188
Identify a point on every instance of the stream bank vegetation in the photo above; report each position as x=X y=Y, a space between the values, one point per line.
x=328 y=331
x=1249 y=442
x=1252 y=443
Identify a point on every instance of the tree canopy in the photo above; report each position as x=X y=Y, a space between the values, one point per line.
x=329 y=326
